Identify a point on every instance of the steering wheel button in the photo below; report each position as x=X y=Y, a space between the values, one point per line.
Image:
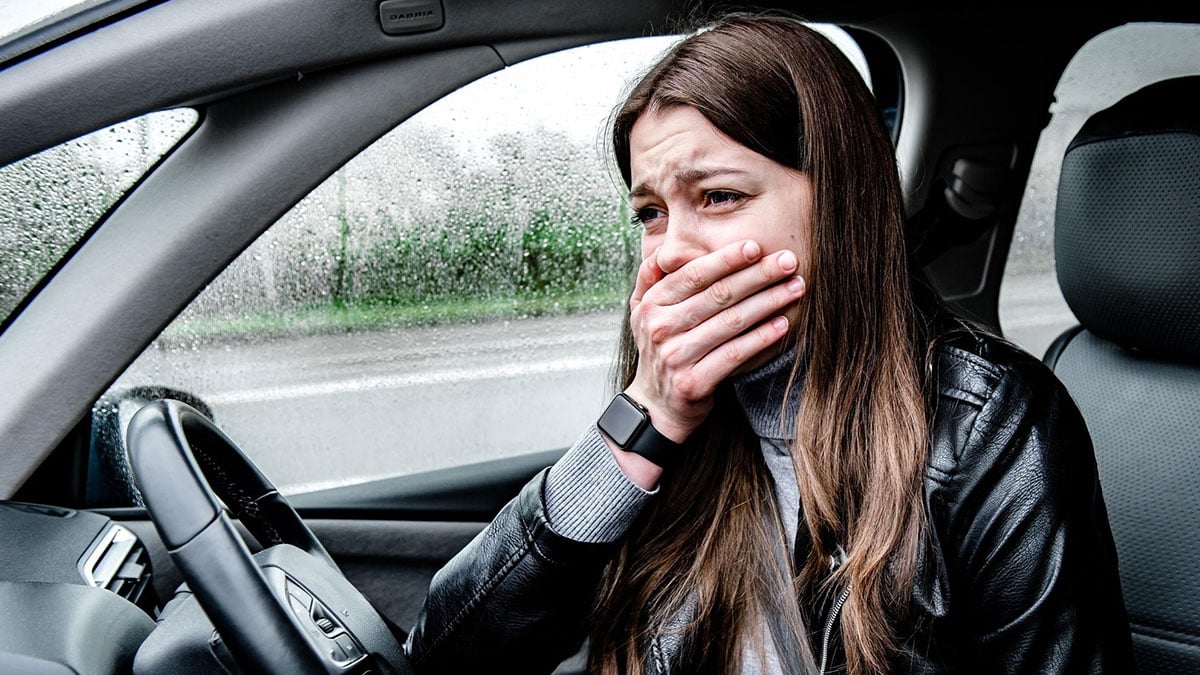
x=339 y=657
x=348 y=645
x=298 y=607
x=298 y=594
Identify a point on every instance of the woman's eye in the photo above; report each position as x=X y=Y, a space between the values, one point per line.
x=647 y=214
x=721 y=197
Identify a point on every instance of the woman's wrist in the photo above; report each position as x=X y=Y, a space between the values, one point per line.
x=641 y=454
x=670 y=426
x=639 y=470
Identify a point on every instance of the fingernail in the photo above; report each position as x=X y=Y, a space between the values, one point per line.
x=796 y=285
x=750 y=249
x=780 y=323
x=787 y=260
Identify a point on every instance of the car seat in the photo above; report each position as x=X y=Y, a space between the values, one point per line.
x=1127 y=244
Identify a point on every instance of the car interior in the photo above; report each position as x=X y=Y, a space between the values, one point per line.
x=286 y=93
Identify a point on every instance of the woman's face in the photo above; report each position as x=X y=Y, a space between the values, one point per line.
x=695 y=190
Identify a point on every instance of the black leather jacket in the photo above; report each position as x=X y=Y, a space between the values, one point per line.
x=1019 y=574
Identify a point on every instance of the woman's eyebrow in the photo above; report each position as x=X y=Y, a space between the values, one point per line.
x=689 y=177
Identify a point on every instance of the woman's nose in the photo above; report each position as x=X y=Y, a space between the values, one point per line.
x=681 y=244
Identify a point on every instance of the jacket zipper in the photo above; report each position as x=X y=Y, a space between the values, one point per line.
x=833 y=615
x=836 y=560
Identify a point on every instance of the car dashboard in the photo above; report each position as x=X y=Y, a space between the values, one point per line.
x=77 y=591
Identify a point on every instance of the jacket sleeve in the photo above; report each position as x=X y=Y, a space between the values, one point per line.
x=1036 y=571
x=517 y=598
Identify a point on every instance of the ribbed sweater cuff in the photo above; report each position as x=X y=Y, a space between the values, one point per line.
x=588 y=497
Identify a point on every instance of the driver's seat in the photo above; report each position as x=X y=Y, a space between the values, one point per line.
x=1127 y=243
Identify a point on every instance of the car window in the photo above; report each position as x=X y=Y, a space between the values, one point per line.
x=453 y=294
x=50 y=200
x=1109 y=67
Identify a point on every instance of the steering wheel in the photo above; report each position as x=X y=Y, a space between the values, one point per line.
x=286 y=610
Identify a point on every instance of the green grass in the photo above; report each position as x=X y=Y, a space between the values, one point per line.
x=383 y=314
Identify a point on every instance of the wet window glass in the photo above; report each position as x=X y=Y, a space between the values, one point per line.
x=452 y=295
x=1106 y=69
x=49 y=200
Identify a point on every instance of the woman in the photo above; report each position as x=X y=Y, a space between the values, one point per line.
x=810 y=466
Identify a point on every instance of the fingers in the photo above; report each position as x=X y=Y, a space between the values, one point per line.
x=695 y=326
x=729 y=323
x=748 y=295
x=648 y=274
x=724 y=294
x=721 y=362
x=700 y=273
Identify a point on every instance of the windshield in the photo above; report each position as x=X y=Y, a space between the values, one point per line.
x=50 y=200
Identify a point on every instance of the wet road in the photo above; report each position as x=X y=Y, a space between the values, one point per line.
x=329 y=410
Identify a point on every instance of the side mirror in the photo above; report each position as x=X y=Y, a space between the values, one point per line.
x=109 y=476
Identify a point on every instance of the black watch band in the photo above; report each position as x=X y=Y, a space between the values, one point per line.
x=627 y=423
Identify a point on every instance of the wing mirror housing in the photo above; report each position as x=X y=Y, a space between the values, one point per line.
x=109 y=474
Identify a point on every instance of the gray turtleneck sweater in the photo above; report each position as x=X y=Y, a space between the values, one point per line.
x=588 y=497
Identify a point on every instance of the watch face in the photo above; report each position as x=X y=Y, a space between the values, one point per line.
x=621 y=421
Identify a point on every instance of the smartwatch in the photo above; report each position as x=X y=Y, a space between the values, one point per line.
x=627 y=423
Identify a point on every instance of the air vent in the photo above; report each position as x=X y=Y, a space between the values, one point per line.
x=117 y=562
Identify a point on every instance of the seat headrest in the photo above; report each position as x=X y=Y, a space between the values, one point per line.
x=1127 y=226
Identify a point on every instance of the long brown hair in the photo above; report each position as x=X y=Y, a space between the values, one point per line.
x=709 y=547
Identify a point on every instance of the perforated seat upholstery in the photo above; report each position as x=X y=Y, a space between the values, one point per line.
x=1127 y=244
